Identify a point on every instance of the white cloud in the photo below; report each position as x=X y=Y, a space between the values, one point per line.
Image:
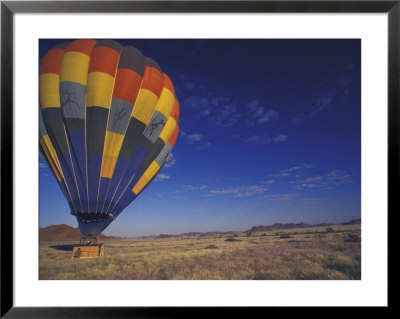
x=218 y=109
x=298 y=169
x=332 y=91
x=194 y=187
x=171 y=161
x=259 y=114
x=259 y=139
x=194 y=138
x=240 y=191
x=280 y=197
x=198 y=104
x=42 y=165
x=280 y=138
x=265 y=139
x=329 y=180
x=225 y=111
x=204 y=146
x=161 y=177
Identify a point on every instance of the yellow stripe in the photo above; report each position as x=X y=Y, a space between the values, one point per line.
x=99 y=89
x=145 y=104
x=54 y=165
x=108 y=166
x=52 y=152
x=112 y=143
x=140 y=185
x=150 y=172
x=112 y=146
x=166 y=102
x=168 y=129
x=49 y=90
x=74 y=67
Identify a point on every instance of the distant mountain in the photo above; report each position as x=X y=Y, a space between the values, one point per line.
x=65 y=232
x=353 y=222
x=192 y=234
x=285 y=226
x=164 y=236
x=260 y=228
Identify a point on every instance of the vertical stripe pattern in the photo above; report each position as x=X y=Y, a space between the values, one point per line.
x=109 y=119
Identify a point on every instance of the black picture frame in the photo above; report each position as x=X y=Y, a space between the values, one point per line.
x=9 y=8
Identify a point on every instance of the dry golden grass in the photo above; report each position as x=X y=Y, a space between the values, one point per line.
x=304 y=253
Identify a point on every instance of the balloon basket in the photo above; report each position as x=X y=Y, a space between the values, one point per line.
x=88 y=250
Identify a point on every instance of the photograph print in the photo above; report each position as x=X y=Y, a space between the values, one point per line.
x=199 y=159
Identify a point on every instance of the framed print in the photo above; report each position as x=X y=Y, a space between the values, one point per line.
x=196 y=154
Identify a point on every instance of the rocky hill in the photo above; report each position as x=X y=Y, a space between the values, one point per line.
x=353 y=222
x=65 y=232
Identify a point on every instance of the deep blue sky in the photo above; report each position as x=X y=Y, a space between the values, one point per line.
x=270 y=132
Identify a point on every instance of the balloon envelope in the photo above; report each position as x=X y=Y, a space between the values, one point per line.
x=108 y=120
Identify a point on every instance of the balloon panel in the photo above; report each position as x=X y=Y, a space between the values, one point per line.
x=109 y=119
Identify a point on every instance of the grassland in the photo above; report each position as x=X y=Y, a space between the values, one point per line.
x=332 y=252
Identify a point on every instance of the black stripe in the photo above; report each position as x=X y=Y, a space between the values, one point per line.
x=154 y=151
x=152 y=63
x=96 y=123
x=74 y=124
x=134 y=134
x=132 y=58
x=54 y=123
x=109 y=44
x=63 y=45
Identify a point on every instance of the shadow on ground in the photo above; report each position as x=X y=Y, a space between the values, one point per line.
x=63 y=247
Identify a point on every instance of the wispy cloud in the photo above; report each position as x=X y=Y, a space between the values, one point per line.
x=219 y=110
x=316 y=199
x=194 y=187
x=193 y=138
x=294 y=170
x=190 y=188
x=171 y=161
x=222 y=110
x=259 y=114
x=161 y=177
x=280 y=197
x=204 y=146
x=225 y=111
x=240 y=191
x=280 y=138
x=43 y=168
x=264 y=138
x=332 y=91
x=259 y=139
x=329 y=180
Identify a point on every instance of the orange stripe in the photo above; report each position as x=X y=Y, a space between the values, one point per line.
x=51 y=62
x=168 y=84
x=104 y=60
x=84 y=46
x=127 y=85
x=175 y=111
x=174 y=136
x=153 y=80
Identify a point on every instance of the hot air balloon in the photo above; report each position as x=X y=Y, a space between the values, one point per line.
x=109 y=119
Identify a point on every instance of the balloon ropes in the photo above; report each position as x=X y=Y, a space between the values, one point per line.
x=109 y=119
